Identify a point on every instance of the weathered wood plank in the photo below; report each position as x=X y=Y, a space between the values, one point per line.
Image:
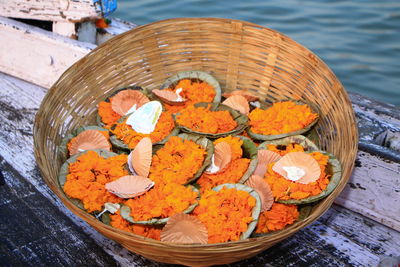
x=49 y=54
x=374 y=190
x=50 y=10
x=19 y=103
x=39 y=56
x=65 y=28
x=323 y=243
x=363 y=231
x=34 y=232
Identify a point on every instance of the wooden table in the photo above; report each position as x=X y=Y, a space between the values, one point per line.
x=36 y=229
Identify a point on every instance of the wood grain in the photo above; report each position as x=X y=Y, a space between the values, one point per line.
x=36 y=55
x=50 y=10
x=374 y=190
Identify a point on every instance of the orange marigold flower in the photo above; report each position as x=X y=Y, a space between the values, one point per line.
x=276 y=218
x=177 y=161
x=88 y=175
x=107 y=115
x=285 y=189
x=282 y=117
x=232 y=174
x=235 y=143
x=150 y=231
x=226 y=214
x=194 y=92
x=126 y=134
x=161 y=201
x=202 y=119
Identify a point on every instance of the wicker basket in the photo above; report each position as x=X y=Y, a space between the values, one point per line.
x=240 y=55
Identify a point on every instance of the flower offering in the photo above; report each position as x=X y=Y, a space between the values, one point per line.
x=180 y=165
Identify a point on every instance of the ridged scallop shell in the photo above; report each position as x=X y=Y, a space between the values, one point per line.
x=300 y=160
x=265 y=157
x=263 y=189
x=129 y=186
x=139 y=160
x=169 y=97
x=238 y=103
x=123 y=101
x=221 y=158
x=184 y=229
x=88 y=140
x=249 y=97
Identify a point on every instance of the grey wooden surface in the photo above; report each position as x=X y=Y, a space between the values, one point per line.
x=37 y=230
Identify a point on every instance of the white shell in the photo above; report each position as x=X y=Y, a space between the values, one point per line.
x=145 y=118
x=294 y=173
x=112 y=207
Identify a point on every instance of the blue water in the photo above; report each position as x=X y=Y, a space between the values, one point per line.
x=359 y=40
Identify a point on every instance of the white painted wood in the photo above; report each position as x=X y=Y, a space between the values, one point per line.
x=87 y=32
x=359 y=256
x=16 y=146
x=36 y=55
x=352 y=244
x=50 y=10
x=65 y=28
x=363 y=231
x=374 y=190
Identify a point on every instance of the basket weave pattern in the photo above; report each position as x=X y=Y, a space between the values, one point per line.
x=240 y=55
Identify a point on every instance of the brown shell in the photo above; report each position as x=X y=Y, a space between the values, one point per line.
x=265 y=157
x=222 y=155
x=239 y=103
x=300 y=160
x=184 y=229
x=129 y=186
x=88 y=140
x=122 y=102
x=263 y=189
x=249 y=97
x=168 y=97
x=141 y=156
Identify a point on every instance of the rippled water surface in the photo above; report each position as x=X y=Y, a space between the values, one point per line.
x=359 y=40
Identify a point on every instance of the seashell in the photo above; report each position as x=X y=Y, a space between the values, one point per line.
x=249 y=97
x=221 y=158
x=139 y=160
x=123 y=102
x=110 y=207
x=299 y=167
x=144 y=119
x=170 y=97
x=239 y=103
x=265 y=157
x=129 y=186
x=88 y=140
x=263 y=189
x=184 y=229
